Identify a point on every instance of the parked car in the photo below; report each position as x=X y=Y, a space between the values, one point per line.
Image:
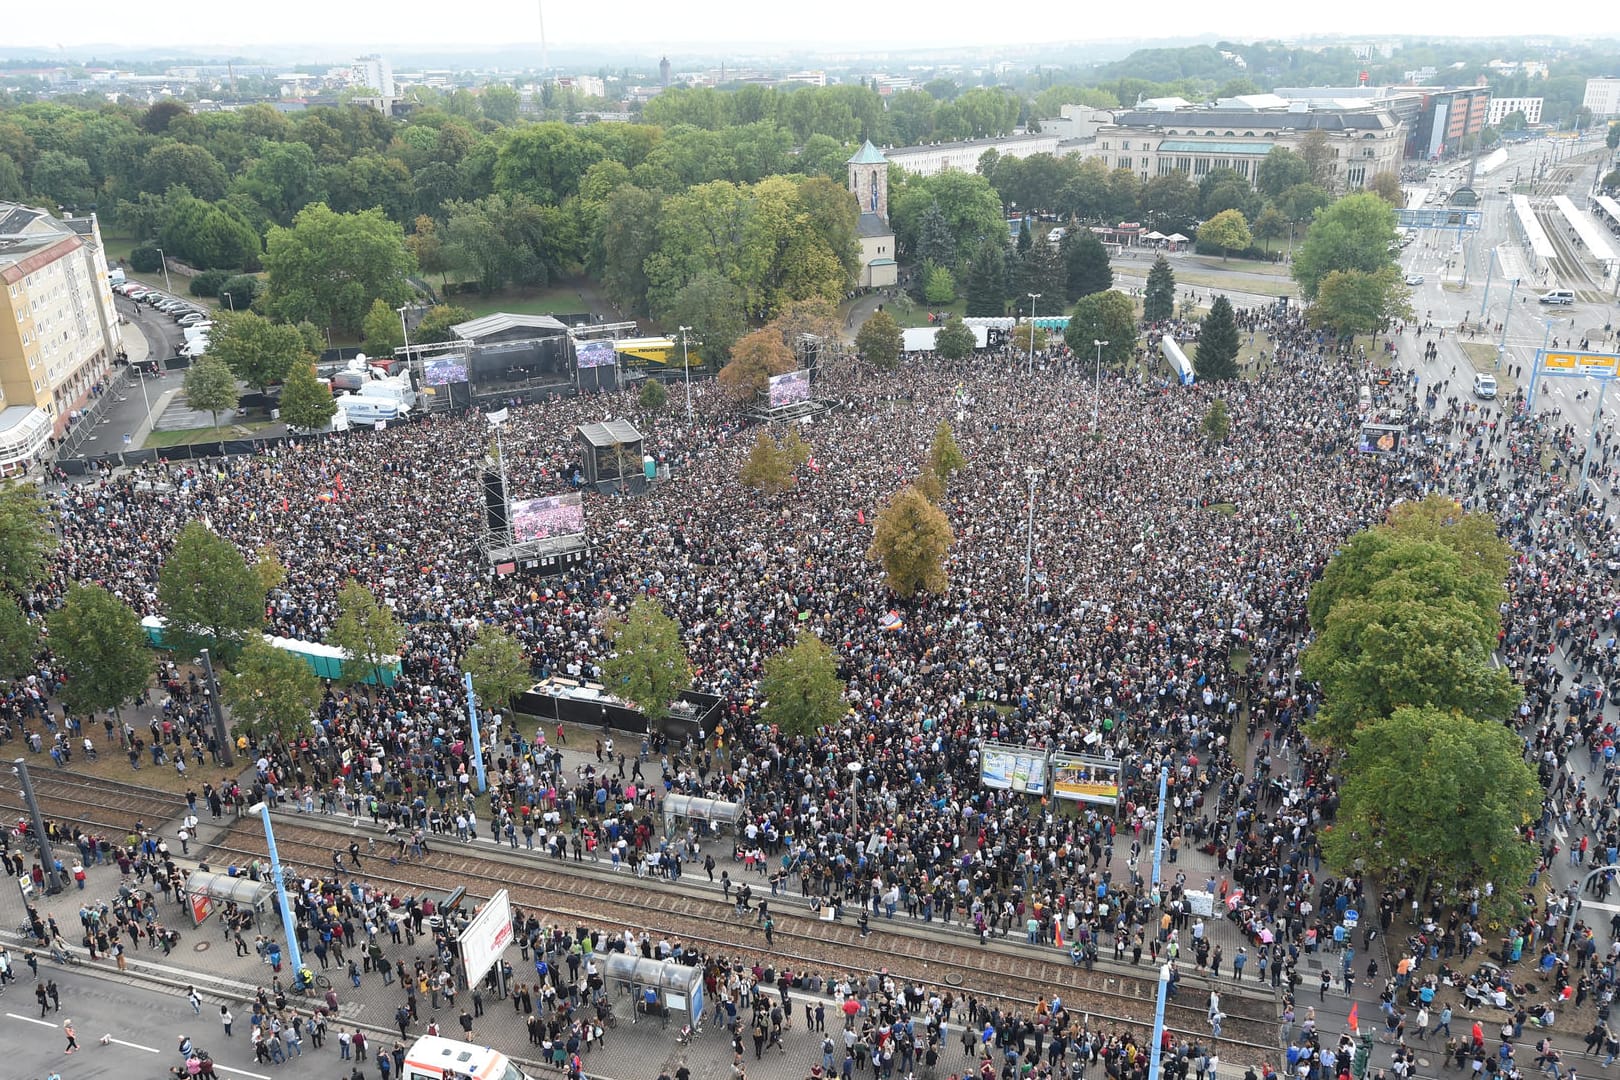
x=1414 y=279
x=1558 y=296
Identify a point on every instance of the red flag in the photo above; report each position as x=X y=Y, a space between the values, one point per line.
x=1355 y=1023
x=337 y=481
x=284 y=504
x=860 y=517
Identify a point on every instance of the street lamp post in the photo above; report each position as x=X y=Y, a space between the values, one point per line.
x=1501 y=344
x=216 y=712
x=289 y=922
x=1029 y=537
x=230 y=301
x=1490 y=268
x=405 y=330
x=855 y=769
x=164 y=259
x=1034 y=296
x=686 y=366
x=1096 y=396
x=54 y=882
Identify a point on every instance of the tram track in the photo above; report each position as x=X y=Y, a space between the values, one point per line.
x=801 y=942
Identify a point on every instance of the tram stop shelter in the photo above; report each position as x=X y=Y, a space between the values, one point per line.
x=206 y=890
x=713 y=814
x=663 y=984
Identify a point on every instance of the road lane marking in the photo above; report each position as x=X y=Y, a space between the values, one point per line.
x=134 y=1046
x=31 y=1020
x=239 y=1072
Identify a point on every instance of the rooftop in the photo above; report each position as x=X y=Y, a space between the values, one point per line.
x=1272 y=120
x=867 y=155
x=30 y=237
x=502 y=321
x=999 y=140
x=869 y=224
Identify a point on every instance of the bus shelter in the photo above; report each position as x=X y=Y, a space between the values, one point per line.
x=206 y=890
x=712 y=814
x=657 y=985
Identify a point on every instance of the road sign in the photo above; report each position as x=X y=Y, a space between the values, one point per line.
x=1580 y=363
x=1440 y=217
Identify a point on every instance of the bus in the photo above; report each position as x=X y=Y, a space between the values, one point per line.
x=435 y=1058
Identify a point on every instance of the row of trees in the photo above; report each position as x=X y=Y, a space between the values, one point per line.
x=1405 y=618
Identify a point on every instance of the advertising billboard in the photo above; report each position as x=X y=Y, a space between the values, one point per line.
x=541 y=519
x=444 y=370
x=790 y=389
x=1081 y=778
x=1381 y=439
x=486 y=937
x=593 y=354
x=1012 y=768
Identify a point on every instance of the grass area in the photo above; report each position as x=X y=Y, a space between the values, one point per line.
x=1238 y=660
x=114 y=766
x=1224 y=509
x=555 y=301
x=1483 y=357
x=908 y=313
x=158 y=440
x=1242 y=266
x=1282 y=286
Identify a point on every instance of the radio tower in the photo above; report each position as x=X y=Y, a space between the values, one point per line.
x=545 y=52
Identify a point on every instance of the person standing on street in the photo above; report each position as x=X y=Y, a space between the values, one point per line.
x=194 y=1000
x=44 y=999
x=72 y=1037
x=225 y=1019
x=56 y=997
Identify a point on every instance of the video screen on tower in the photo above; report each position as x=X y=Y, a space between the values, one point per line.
x=590 y=354
x=541 y=519
x=790 y=389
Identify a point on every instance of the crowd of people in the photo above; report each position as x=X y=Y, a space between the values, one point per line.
x=1163 y=607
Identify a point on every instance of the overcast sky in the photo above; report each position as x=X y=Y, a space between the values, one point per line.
x=342 y=27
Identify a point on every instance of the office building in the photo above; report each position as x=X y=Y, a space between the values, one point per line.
x=1502 y=108
x=1603 y=97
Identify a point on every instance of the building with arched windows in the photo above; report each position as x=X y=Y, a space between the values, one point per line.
x=869 y=183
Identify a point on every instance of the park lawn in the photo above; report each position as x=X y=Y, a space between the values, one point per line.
x=1282 y=286
x=161 y=439
x=114 y=765
x=906 y=312
x=1483 y=357
x=552 y=301
x=1246 y=266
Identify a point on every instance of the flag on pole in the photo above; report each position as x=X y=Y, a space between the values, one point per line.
x=1057 y=933
x=860 y=517
x=1355 y=1022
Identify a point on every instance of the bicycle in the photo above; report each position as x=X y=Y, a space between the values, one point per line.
x=65 y=958
x=315 y=984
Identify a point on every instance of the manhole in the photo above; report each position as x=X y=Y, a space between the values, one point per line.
x=201 y=946
x=953 y=979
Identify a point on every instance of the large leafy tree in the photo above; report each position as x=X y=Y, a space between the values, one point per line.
x=1159 y=298
x=713 y=307
x=210 y=385
x=258 y=351
x=1216 y=357
x=498 y=665
x=1227 y=230
x=1105 y=316
x=1280 y=170
x=879 y=340
x=1471 y=535
x=368 y=631
x=1383 y=563
x=1429 y=792
x=1355 y=233
x=911 y=539
x=754 y=360
x=26 y=540
x=271 y=693
x=649 y=666
x=98 y=644
x=1350 y=302
x=767 y=468
x=306 y=403
x=801 y=687
x=329 y=267
x=1170 y=202
x=19 y=640
x=955 y=340
x=1085 y=264
x=987 y=280
x=944 y=456
x=210 y=596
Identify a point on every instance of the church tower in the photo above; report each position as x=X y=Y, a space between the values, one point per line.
x=869 y=181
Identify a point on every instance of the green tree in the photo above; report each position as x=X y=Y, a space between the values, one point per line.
x=754 y=360
x=499 y=667
x=26 y=540
x=436 y=324
x=268 y=568
x=1355 y=233
x=1085 y=264
x=1215 y=359
x=258 y=351
x=1471 y=535
x=272 y=694
x=879 y=340
x=1159 y=297
x=649 y=666
x=19 y=640
x=1351 y=302
x=210 y=385
x=1428 y=792
x=1280 y=170
x=282 y=180
x=713 y=308
x=1300 y=203
x=1170 y=203
x=329 y=267
x=1227 y=230
x=1387 y=186
x=987 y=281
x=239 y=292
x=1105 y=316
x=306 y=403
x=801 y=687
x=100 y=649
x=1383 y=563
x=944 y=456
x=210 y=596
x=381 y=330
x=955 y=340
x=767 y=468
x=652 y=397
x=911 y=539
x=1217 y=421
x=939 y=285
x=1269 y=226
x=369 y=633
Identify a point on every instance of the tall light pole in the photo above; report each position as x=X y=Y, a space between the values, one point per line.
x=1501 y=344
x=686 y=366
x=216 y=712
x=1029 y=532
x=1096 y=396
x=855 y=769
x=54 y=880
x=289 y=922
x=230 y=301
x=472 y=724
x=164 y=259
x=405 y=330
x=1034 y=296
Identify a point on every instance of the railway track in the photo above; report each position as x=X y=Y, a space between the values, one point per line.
x=99 y=805
x=1105 y=997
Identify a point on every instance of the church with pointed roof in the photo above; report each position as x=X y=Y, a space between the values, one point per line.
x=869 y=183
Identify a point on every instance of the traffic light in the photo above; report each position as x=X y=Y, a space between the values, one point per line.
x=1358 y=1064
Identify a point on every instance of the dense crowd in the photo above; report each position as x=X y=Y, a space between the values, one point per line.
x=1165 y=605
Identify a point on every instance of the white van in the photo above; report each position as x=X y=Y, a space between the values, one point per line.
x=1484 y=385
x=397 y=390
x=435 y=1058
x=1558 y=296
x=368 y=410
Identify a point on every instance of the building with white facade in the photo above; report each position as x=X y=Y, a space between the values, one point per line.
x=869 y=183
x=932 y=158
x=374 y=73
x=1603 y=97
x=59 y=330
x=1500 y=109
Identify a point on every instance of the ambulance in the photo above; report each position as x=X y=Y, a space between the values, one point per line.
x=433 y=1058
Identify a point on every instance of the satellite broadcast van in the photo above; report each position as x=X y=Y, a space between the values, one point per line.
x=433 y=1058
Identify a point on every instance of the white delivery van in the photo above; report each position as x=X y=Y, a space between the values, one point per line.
x=1558 y=296
x=435 y=1058
x=397 y=390
x=368 y=410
